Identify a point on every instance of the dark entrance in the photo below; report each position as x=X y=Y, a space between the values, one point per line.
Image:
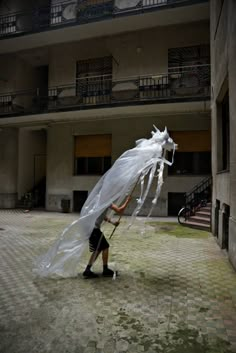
x=79 y=198
x=176 y=201
x=225 y=230
x=217 y=209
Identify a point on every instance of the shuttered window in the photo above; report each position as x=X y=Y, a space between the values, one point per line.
x=193 y=156
x=94 y=80
x=192 y=141
x=188 y=56
x=92 y=154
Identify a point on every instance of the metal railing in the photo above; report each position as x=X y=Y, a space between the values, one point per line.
x=200 y=193
x=198 y=197
x=38 y=19
x=185 y=84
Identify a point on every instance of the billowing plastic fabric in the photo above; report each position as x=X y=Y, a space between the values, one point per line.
x=136 y=166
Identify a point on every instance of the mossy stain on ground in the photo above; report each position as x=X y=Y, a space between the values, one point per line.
x=175 y=229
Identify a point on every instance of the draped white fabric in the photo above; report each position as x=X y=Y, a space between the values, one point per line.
x=144 y=161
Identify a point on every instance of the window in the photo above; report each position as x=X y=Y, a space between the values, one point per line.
x=197 y=163
x=193 y=155
x=94 y=80
x=7 y=24
x=188 y=56
x=223 y=134
x=189 y=70
x=92 y=154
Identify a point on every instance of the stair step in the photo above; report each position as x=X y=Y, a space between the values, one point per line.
x=206 y=208
x=198 y=219
x=203 y=214
x=198 y=225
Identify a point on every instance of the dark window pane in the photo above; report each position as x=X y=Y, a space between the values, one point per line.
x=94 y=165
x=191 y=163
x=107 y=164
x=81 y=166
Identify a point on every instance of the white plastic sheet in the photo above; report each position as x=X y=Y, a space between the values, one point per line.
x=142 y=162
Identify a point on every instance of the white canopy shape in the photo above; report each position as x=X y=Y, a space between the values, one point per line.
x=144 y=161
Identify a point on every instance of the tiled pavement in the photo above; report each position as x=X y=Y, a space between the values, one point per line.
x=174 y=294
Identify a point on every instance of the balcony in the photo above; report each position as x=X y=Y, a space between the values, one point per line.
x=180 y=84
x=71 y=13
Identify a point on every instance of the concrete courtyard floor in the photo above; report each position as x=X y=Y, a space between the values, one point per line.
x=176 y=291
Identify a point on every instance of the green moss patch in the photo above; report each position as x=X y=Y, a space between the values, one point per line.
x=177 y=230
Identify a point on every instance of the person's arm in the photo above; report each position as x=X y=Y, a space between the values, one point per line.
x=120 y=209
x=107 y=219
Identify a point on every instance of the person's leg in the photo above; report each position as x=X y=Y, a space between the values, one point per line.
x=94 y=247
x=106 y=271
x=87 y=272
x=93 y=258
x=105 y=255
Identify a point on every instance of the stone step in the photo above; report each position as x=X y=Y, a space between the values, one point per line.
x=200 y=219
x=198 y=225
x=203 y=214
x=206 y=208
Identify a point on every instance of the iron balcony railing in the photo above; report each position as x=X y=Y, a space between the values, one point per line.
x=77 y=11
x=182 y=84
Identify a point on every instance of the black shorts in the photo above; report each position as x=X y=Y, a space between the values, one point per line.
x=97 y=241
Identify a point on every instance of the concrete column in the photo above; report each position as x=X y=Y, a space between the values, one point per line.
x=59 y=166
x=8 y=167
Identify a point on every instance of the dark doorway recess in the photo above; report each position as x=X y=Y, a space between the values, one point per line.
x=176 y=201
x=79 y=198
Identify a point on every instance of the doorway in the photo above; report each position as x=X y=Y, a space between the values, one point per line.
x=79 y=198
x=176 y=201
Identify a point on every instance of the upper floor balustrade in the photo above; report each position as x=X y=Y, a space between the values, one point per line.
x=78 y=12
x=180 y=84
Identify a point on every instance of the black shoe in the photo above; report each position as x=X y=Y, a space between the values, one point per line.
x=108 y=273
x=89 y=274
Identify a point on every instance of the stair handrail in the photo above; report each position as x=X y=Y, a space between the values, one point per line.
x=199 y=195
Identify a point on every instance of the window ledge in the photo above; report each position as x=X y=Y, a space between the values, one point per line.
x=223 y=171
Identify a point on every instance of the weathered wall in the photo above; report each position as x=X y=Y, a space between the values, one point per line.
x=223 y=51
x=139 y=48
x=8 y=167
x=60 y=149
x=32 y=159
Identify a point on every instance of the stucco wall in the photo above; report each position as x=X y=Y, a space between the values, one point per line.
x=18 y=75
x=223 y=56
x=232 y=103
x=32 y=159
x=8 y=167
x=146 y=50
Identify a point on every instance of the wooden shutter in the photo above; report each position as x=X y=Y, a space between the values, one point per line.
x=93 y=146
x=192 y=141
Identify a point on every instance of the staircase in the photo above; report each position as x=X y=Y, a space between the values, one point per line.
x=201 y=219
x=196 y=213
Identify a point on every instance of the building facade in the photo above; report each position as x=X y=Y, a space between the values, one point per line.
x=223 y=56
x=81 y=81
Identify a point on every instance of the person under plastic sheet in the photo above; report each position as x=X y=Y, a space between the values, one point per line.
x=98 y=243
x=137 y=166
